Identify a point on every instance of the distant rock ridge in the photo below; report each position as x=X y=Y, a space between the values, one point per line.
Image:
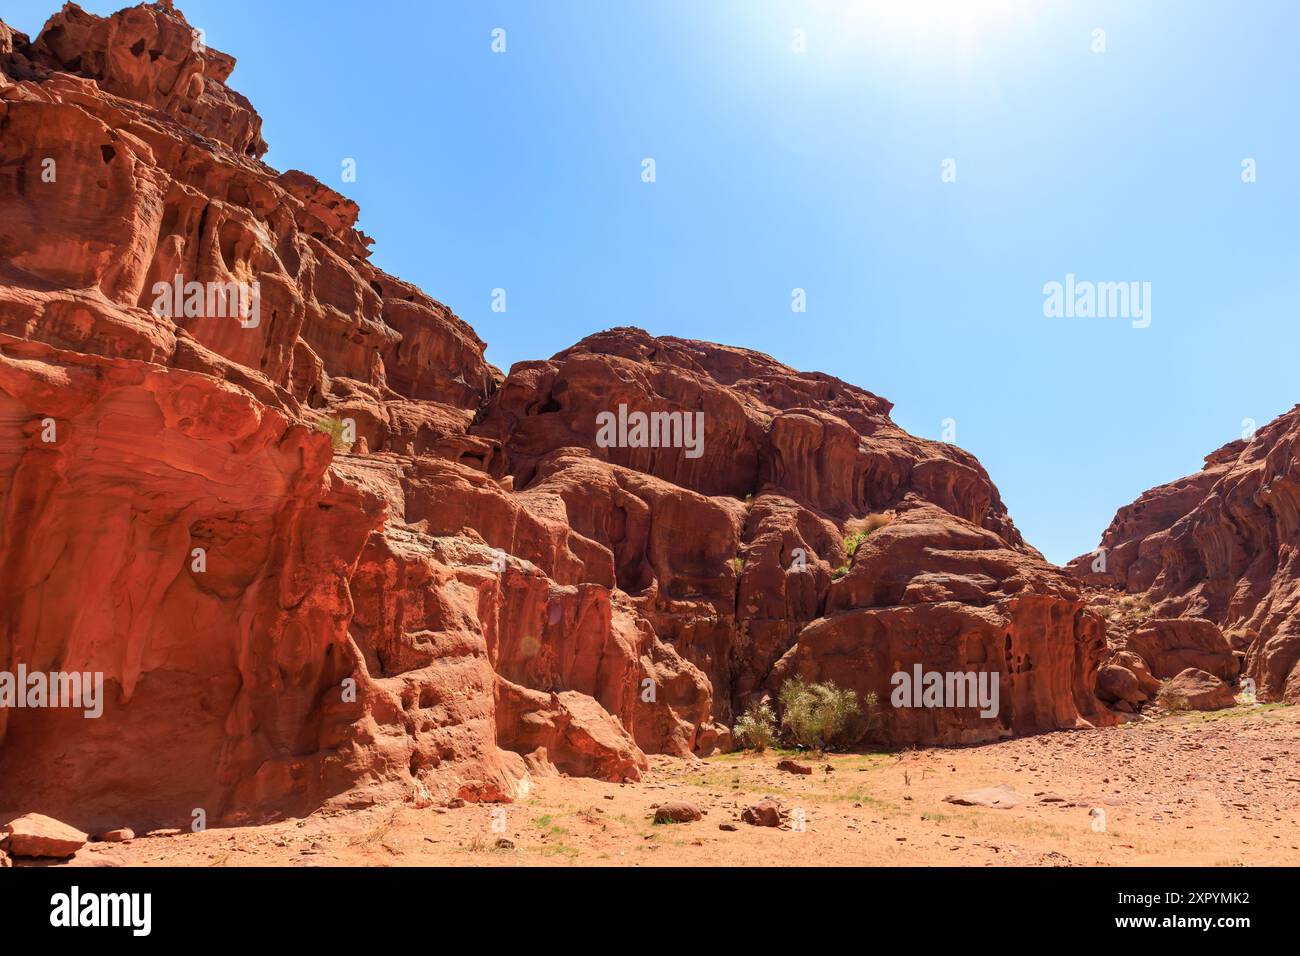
x=1212 y=561
x=323 y=552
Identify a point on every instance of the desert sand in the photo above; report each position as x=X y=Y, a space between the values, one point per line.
x=1187 y=790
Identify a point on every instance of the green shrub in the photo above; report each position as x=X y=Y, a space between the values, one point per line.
x=756 y=728
x=823 y=716
x=854 y=541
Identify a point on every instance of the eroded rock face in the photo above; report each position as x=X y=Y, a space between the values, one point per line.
x=1171 y=646
x=729 y=551
x=323 y=552
x=928 y=594
x=173 y=516
x=1215 y=561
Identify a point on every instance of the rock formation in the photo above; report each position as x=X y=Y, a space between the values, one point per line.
x=321 y=551
x=1204 y=572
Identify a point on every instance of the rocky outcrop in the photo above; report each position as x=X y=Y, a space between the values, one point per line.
x=321 y=551
x=1171 y=646
x=1213 y=564
x=734 y=550
x=929 y=595
x=271 y=632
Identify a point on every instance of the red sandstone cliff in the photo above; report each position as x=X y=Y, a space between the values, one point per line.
x=1215 y=560
x=472 y=590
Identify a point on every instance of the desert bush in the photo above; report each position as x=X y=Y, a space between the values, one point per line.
x=872 y=522
x=1136 y=603
x=337 y=429
x=857 y=530
x=823 y=716
x=756 y=728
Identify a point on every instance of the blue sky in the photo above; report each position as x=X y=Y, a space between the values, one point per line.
x=821 y=170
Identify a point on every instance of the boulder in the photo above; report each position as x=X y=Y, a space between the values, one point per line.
x=1196 y=690
x=578 y=735
x=119 y=835
x=1118 y=684
x=677 y=812
x=36 y=835
x=766 y=813
x=1148 y=683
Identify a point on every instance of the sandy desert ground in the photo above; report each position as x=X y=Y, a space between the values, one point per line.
x=1217 y=789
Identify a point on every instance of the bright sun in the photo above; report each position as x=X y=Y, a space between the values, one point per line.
x=923 y=28
x=963 y=17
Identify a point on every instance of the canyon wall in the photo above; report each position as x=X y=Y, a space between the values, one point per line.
x=1215 y=560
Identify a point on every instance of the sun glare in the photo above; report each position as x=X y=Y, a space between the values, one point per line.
x=961 y=19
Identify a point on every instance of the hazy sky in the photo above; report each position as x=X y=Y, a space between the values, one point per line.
x=823 y=170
